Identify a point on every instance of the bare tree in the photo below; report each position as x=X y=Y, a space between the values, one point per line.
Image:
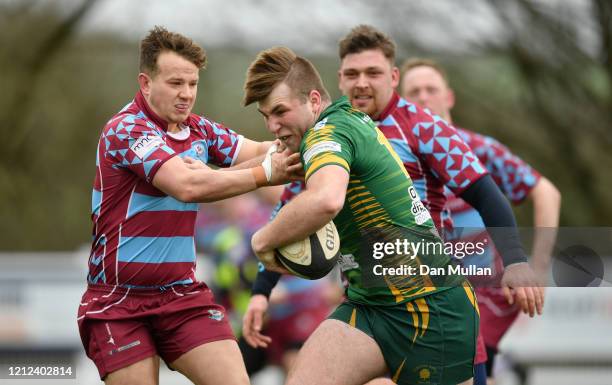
x=14 y=119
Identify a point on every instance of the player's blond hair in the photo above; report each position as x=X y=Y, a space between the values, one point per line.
x=281 y=65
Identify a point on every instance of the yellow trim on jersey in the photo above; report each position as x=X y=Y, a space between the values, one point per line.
x=410 y=291
x=384 y=219
x=415 y=319
x=361 y=202
x=350 y=191
x=398 y=371
x=424 y=309
x=372 y=213
x=323 y=134
x=353 y=197
x=325 y=160
x=470 y=294
x=368 y=207
x=382 y=139
x=398 y=294
x=353 y=320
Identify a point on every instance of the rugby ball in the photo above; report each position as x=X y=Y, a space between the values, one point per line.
x=313 y=257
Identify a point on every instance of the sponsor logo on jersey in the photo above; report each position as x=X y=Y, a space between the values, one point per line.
x=144 y=145
x=320 y=125
x=418 y=209
x=215 y=315
x=326 y=146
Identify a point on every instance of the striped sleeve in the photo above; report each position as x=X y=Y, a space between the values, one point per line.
x=326 y=145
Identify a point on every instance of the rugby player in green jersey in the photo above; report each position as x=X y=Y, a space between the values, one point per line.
x=417 y=329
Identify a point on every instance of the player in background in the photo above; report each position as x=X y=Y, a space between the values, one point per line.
x=425 y=83
x=354 y=177
x=143 y=300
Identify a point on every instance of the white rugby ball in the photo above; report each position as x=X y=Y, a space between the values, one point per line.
x=313 y=257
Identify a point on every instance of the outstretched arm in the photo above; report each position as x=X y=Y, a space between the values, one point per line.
x=495 y=211
x=203 y=184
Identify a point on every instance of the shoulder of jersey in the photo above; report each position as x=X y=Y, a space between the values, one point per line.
x=127 y=121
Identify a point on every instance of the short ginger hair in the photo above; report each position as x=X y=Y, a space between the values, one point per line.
x=279 y=65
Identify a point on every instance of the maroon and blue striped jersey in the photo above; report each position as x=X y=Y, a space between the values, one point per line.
x=141 y=236
x=434 y=154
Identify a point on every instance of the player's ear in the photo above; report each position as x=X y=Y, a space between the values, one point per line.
x=450 y=98
x=314 y=97
x=395 y=77
x=144 y=81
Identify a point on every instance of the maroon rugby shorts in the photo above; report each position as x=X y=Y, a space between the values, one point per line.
x=121 y=326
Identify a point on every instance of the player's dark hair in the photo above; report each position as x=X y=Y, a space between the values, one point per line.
x=421 y=62
x=281 y=65
x=365 y=37
x=160 y=40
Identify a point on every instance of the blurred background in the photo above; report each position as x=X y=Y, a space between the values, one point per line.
x=536 y=74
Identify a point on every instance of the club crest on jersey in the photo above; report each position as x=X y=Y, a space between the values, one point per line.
x=199 y=149
x=146 y=144
x=320 y=125
x=215 y=315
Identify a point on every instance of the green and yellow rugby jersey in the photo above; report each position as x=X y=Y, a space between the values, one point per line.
x=381 y=205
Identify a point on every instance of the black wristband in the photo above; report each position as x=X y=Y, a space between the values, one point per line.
x=497 y=215
x=265 y=281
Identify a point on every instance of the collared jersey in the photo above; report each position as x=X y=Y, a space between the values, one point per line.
x=141 y=236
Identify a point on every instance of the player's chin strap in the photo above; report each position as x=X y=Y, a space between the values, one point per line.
x=263 y=173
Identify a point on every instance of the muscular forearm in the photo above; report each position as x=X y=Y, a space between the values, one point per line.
x=211 y=185
x=253 y=162
x=304 y=215
x=546 y=205
x=198 y=183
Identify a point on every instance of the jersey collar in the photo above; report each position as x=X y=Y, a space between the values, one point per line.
x=141 y=102
x=390 y=107
x=341 y=102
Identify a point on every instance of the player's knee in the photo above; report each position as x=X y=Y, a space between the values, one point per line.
x=238 y=379
x=130 y=378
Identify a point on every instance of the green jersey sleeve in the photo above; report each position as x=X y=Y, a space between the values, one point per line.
x=325 y=144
